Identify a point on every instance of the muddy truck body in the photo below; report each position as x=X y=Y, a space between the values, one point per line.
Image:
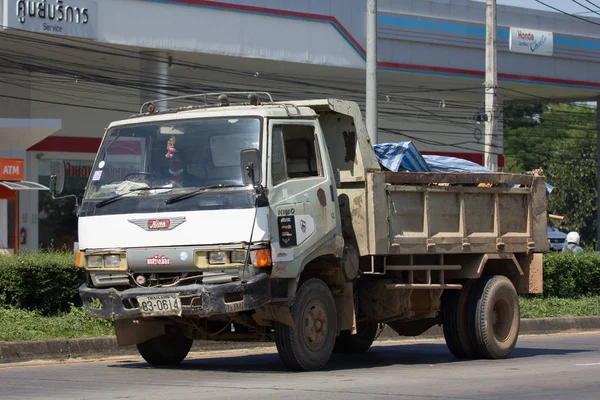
x=271 y=221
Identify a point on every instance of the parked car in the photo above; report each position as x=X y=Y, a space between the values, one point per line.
x=557 y=239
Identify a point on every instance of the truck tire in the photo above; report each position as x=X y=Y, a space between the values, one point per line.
x=455 y=322
x=168 y=349
x=494 y=310
x=359 y=343
x=308 y=347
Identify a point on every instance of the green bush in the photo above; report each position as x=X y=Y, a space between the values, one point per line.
x=568 y=275
x=44 y=282
x=48 y=282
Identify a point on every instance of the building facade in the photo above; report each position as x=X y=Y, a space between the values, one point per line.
x=69 y=68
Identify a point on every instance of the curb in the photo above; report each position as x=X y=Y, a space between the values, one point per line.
x=13 y=352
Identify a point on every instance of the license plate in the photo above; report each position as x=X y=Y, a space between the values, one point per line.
x=160 y=304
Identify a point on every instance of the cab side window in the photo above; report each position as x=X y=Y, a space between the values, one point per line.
x=294 y=153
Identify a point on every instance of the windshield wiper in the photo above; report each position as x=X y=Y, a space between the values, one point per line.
x=119 y=196
x=193 y=193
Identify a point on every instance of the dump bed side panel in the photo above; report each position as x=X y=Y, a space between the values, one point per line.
x=459 y=213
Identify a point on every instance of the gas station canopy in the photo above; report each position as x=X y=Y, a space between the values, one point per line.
x=26 y=132
x=23 y=185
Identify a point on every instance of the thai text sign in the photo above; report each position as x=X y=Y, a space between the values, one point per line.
x=59 y=17
x=529 y=41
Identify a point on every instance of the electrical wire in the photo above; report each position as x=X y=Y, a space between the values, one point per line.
x=592 y=3
x=566 y=13
x=397 y=105
x=586 y=7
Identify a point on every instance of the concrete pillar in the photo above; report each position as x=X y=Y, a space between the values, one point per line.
x=3 y=224
x=29 y=204
x=154 y=77
x=597 y=174
x=499 y=145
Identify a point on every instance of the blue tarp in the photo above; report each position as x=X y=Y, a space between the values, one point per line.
x=404 y=155
x=452 y=164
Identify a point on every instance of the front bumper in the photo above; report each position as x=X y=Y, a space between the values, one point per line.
x=196 y=300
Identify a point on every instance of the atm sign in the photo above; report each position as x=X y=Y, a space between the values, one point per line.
x=12 y=169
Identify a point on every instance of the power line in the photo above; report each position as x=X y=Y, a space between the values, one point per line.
x=63 y=104
x=592 y=3
x=546 y=99
x=37 y=64
x=566 y=13
x=586 y=7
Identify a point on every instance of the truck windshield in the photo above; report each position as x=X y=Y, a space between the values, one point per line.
x=172 y=155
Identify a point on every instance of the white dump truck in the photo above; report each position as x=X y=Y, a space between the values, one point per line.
x=256 y=220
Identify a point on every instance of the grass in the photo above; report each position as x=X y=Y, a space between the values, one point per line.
x=556 y=307
x=20 y=325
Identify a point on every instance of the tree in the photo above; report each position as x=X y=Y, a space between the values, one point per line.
x=561 y=140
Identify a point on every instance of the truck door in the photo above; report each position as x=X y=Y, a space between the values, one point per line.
x=302 y=194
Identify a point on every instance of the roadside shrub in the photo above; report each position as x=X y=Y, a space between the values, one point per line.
x=44 y=282
x=18 y=325
x=568 y=275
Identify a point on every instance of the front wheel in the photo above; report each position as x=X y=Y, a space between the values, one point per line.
x=309 y=346
x=494 y=310
x=168 y=349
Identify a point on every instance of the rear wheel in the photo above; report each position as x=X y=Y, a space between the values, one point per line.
x=456 y=324
x=359 y=343
x=494 y=311
x=308 y=347
x=168 y=349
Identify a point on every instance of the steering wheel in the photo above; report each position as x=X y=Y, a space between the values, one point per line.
x=139 y=173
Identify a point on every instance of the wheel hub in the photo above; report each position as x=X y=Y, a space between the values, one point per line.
x=314 y=326
x=501 y=319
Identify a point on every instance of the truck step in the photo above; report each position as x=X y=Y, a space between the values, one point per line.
x=423 y=267
x=399 y=286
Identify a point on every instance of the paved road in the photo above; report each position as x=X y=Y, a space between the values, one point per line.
x=544 y=367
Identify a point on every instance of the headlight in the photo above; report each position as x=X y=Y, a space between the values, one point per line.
x=238 y=257
x=217 y=257
x=94 y=261
x=112 y=261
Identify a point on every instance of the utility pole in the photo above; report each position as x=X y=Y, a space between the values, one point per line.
x=371 y=111
x=490 y=149
x=598 y=172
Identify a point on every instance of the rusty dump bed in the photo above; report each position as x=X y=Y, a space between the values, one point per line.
x=456 y=213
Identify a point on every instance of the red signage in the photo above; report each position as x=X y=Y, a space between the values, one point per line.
x=12 y=169
x=158 y=224
x=158 y=260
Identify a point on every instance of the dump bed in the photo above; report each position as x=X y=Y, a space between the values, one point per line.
x=421 y=213
x=387 y=213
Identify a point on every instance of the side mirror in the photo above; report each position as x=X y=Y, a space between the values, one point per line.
x=251 y=166
x=57 y=177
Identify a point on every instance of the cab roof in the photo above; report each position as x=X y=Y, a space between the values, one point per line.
x=265 y=110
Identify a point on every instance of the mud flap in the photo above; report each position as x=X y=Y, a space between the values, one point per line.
x=134 y=331
x=274 y=313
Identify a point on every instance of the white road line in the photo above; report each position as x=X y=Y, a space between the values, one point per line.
x=587 y=365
